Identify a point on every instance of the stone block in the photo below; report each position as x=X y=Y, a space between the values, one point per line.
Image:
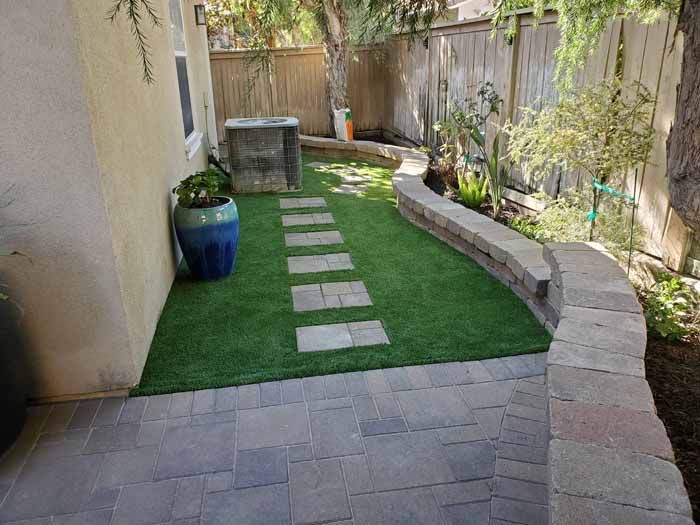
x=264 y=466
x=617 y=476
x=486 y=395
x=503 y=250
x=568 y=354
x=536 y=279
x=246 y=505
x=485 y=239
x=629 y=322
x=590 y=386
x=611 y=427
x=608 y=338
x=148 y=503
x=335 y=433
x=570 y=510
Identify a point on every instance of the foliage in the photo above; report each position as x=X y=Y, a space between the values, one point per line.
x=565 y=219
x=472 y=189
x=252 y=23
x=135 y=12
x=526 y=226
x=466 y=126
x=581 y=23
x=197 y=190
x=603 y=130
x=671 y=308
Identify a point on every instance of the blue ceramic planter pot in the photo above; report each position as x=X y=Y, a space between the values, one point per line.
x=209 y=239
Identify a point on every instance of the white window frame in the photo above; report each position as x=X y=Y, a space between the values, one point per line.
x=193 y=141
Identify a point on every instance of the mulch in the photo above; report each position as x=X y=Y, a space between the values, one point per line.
x=673 y=372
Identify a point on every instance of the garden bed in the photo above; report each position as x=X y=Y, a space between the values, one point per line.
x=672 y=370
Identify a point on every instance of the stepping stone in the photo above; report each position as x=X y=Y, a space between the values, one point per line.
x=307 y=219
x=302 y=202
x=341 y=335
x=330 y=295
x=318 y=165
x=354 y=179
x=330 y=262
x=349 y=189
x=313 y=238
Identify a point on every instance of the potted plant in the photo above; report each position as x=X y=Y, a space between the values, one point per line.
x=206 y=225
x=13 y=377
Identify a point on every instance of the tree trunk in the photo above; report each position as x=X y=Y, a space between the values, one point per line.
x=335 y=43
x=683 y=145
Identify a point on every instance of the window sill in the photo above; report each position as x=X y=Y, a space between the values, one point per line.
x=192 y=144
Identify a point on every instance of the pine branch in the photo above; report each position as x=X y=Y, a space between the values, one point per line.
x=132 y=10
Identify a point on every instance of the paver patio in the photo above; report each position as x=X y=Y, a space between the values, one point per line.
x=307 y=297
x=410 y=445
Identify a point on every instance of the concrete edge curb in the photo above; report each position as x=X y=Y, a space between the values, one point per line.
x=610 y=458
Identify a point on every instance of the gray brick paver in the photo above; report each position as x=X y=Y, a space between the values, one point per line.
x=446 y=443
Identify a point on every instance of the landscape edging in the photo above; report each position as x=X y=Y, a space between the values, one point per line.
x=610 y=458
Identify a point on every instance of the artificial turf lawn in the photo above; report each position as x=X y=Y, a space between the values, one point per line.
x=436 y=304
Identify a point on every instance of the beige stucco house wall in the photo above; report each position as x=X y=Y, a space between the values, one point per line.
x=88 y=156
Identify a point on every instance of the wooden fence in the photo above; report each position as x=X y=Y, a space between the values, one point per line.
x=407 y=85
x=295 y=86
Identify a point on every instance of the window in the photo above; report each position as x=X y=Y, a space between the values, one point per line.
x=178 y=32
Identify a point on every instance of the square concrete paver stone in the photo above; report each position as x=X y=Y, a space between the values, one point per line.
x=349 y=189
x=355 y=179
x=434 y=408
x=330 y=295
x=335 y=433
x=46 y=486
x=486 y=395
x=399 y=461
x=145 y=504
x=273 y=426
x=313 y=238
x=127 y=466
x=267 y=505
x=302 y=202
x=319 y=263
x=307 y=219
x=264 y=466
x=340 y=335
x=187 y=451
x=406 y=507
x=318 y=492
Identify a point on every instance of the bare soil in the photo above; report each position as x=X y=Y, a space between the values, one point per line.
x=673 y=369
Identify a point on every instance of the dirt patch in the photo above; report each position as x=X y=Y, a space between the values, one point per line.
x=672 y=371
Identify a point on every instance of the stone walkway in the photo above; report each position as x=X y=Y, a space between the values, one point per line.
x=324 y=296
x=458 y=443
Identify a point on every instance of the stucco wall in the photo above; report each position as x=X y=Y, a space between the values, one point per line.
x=92 y=153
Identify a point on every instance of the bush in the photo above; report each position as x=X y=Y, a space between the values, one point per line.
x=526 y=226
x=671 y=308
x=197 y=191
x=565 y=219
x=472 y=189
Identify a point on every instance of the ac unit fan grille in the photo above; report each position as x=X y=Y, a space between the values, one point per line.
x=264 y=158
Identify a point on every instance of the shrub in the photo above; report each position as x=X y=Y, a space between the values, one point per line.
x=526 y=226
x=465 y=126
x=671 y=308
x=197 y=190
x=565 y=219
x=603 y=130
x=472 y=189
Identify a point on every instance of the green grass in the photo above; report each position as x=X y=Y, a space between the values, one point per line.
x=437 y=305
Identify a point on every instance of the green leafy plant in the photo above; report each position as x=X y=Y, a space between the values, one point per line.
x=472 y=189
x=580 y=23
x=466 y=126
x=603 y=130
x=197 y=190
x=671 y=308
x=526 y=226
x=565 y=219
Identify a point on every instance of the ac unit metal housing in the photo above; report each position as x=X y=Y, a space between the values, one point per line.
x=264 y=154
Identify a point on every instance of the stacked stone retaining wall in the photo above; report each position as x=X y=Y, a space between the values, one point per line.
x=610 y=459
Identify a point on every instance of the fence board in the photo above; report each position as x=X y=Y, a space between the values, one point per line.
x=407 y=87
